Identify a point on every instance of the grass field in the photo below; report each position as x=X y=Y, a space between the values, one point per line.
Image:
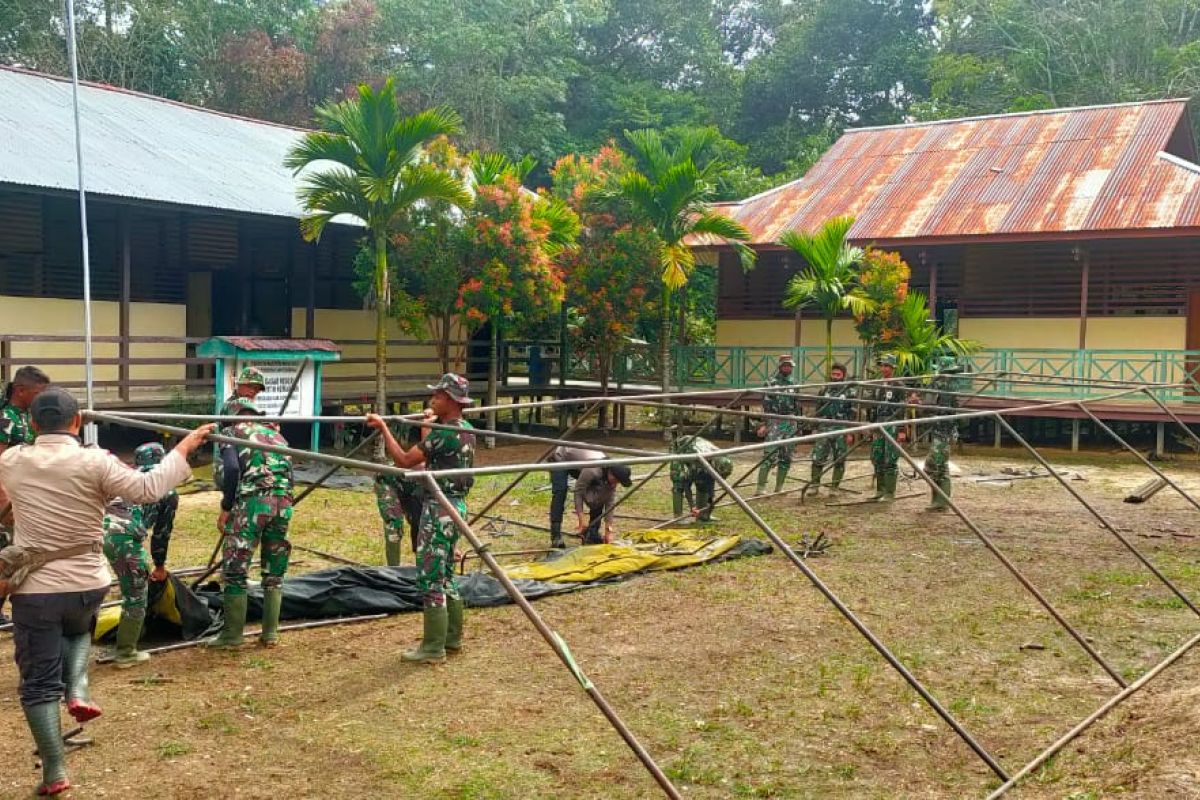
x=739 y=678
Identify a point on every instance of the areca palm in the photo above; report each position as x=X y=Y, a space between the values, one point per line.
x=670 y=189
x=368 y=163
x=830 y=281
x=922 y=340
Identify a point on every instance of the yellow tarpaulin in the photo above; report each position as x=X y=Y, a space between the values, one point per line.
x=164 y=607
x=636 y=551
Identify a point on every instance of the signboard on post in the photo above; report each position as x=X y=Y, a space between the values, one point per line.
x=284 y=363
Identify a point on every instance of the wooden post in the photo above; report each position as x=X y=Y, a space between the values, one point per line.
x=1076 y=424
x=933 y=287
x=998 y=435
x=1081 y=255
x=126 y=261
x=5 y=360
x=310 y=300
x=1160 y=439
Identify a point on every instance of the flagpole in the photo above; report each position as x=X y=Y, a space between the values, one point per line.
x=90 y=431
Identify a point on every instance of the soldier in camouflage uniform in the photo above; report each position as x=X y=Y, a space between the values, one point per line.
x=834 y=405
x=885 y=457
x=158 y=517
x=250 y=382
x=439 y=449
x=399 y=500
x=124 y=533
x=944 y=433
x=16 y=428
x=256 y=507
x=688 y=474
x=779 y=456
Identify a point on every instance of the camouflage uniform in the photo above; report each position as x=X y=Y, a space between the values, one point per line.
x=262 y=511
x=157 y=517
x=124 y=533
x=438 y=535
x=688 y=474
x=780 y=455
x=16 y=428
x=884 y=455
x=943 y=434
x=399 y=500
x=834 y=405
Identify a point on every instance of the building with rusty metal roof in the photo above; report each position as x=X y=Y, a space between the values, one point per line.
x=1069 y=228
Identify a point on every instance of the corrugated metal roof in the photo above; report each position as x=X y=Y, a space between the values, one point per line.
x=142 y=147
x=265 y=343
x=1051 y=173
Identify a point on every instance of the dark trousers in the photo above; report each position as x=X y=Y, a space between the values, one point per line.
x=593 y=534
x=40 y=622
x=558 y=497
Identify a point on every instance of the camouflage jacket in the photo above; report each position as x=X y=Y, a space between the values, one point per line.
x=687 y=471
x=896 y=393
x=150 y=511
x=124 y=518
x=939 y=394
x=446 y=449
x=15 y=426
x=780 y=403
x=835 y=403
x=249 y=471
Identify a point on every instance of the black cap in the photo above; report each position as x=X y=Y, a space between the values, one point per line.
x=53 y=410
x=622 y=474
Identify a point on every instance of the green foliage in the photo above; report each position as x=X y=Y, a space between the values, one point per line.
x=922 y=340
x=830 y=280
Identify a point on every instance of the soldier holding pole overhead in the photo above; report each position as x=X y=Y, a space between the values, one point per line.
x=780 y=456
x=452 y=447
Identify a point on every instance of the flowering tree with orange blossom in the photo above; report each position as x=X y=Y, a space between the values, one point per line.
x=514 y=238
x=610 y=276
x=883 y=278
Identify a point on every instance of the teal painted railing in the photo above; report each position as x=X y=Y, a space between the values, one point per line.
x=736 y=367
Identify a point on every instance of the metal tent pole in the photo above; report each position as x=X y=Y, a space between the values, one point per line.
x=866 y=632
x=556 y=642
x=1009 y=565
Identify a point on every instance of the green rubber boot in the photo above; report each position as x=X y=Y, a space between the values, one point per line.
x=433 y=642
x=938 y=503
x=44 y=724
x=272 y=600
x=889 y=479
x=839 y=471
x=233 y=625
x=763 y=472
x=128 y=632
x=880 y=485
x=814 y=485
x=676 y=504
x=391 y=550
x=780 y=478
x=454 y=624
x=704 y=498
x=76 y=656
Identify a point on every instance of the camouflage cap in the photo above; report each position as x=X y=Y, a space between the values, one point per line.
x=149 y=454
x=947 y=365
x=243 y=405
x=723 y=465
x=886 y=360
x=456 y=386
x=786 y=358
x=251 y=376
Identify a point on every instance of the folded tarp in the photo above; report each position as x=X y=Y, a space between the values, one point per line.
x=355 y=591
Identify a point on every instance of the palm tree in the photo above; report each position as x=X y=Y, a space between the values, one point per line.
x=922 y=339
x=368 y=163
x=670 y=189
x=830 y=282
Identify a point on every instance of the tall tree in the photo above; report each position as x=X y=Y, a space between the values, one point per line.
x=830 y=280
x=368 y=163
x=670 y=188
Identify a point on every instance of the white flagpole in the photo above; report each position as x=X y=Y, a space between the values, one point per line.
x=90 y=431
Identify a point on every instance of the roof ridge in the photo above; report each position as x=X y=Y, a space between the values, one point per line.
x=1010 y=114
x=108 y=87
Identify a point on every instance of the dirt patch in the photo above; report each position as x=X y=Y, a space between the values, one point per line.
x=739 y=678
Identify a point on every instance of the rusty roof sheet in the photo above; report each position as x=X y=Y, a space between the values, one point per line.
x=1103 y=169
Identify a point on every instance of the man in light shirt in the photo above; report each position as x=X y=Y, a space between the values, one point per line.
x=58 y=491
x=559 y=487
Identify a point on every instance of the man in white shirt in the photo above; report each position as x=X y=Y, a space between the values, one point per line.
x=58 y=491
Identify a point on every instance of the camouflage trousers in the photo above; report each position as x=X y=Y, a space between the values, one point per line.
x=831 y=448
x=884 y=455
x=257 y=519
x=435 y=552
x=781 y=454
x=127 y=558
x=937 y=463
x=396 y=504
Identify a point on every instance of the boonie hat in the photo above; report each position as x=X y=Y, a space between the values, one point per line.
x=456 y=386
